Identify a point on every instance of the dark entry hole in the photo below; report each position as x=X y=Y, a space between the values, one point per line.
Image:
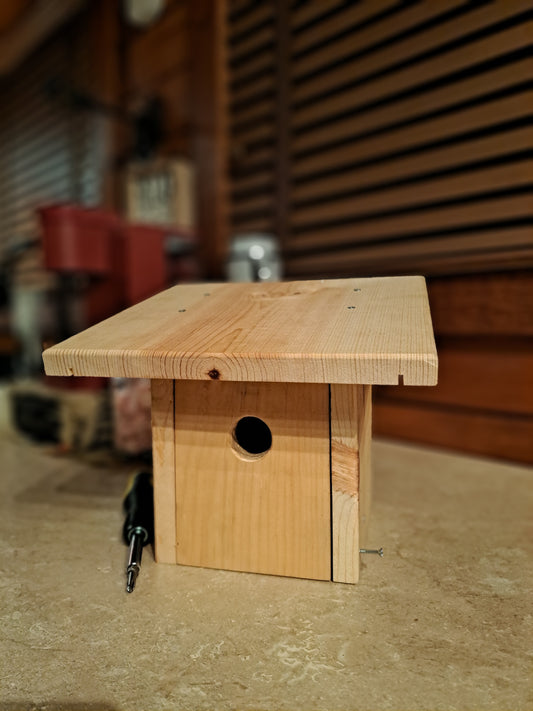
x=253 y=435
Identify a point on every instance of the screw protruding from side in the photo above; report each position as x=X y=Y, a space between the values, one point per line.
x=376 y=551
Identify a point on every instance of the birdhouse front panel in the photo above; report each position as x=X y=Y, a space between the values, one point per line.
x=253 y=477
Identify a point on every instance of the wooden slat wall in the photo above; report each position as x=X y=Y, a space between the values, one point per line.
x=392 y=137
x=403 y=110
x=252 y=63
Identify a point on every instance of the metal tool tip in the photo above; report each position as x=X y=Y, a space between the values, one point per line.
x=130 y=582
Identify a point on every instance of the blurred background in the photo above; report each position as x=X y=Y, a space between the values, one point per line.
x=153 y=142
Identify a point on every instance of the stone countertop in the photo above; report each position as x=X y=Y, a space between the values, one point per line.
x=443 y=621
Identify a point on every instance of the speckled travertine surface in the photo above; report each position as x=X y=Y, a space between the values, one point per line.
x=443 y=621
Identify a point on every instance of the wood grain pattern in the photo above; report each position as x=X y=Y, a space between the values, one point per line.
x=269 y=514
x=364 y=425
x=351 y=415
x=164 y=473
x=340 y=331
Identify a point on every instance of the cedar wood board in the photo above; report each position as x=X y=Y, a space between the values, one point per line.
x=367 y=331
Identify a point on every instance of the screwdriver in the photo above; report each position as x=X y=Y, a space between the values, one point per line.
x=138 y=528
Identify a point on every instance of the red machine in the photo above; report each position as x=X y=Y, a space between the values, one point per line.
x=122 y=263
x=103 y=265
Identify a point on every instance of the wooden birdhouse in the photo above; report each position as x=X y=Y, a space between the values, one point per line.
x=261 y=412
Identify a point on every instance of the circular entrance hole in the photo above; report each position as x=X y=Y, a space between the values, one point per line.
x=252 y=438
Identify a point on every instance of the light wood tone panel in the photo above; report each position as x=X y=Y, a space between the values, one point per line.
x=365 y=464
x=339 y=331
x=164 y=470
x=423 y=161
x=408 y=108
x=431 y=190
x=412 y=76
x=350 y=477
x=410 y=224
x=390 y=55
x=267 y=515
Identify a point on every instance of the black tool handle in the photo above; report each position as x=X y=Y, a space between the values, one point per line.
x=139 y=509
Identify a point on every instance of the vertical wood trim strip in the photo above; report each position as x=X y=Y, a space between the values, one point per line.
x=209 y=116
x=365 y=464
x=346 y=401
x=164 y=471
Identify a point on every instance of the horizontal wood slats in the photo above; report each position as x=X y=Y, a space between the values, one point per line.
x=258 y=14
x=399 y=52
x=406 y=133
x=469 y=182
x=506 y=248
x=397 y=111
x=252 y=90
x=307 y=13
x=413 y=77
x=328 y=28
x=441 y=131
x=481 y=213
